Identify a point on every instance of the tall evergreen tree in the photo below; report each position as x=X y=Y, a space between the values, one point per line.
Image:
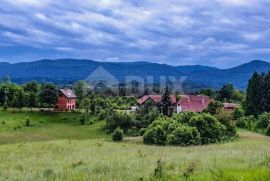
x=266 y=92
x=255 y=94
x=166 y=102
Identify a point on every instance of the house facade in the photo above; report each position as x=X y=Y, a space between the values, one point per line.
x=66 y=100
x=186 y=103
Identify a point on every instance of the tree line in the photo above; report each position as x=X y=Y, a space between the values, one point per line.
x=227 y=93
x=45 y=95
x=29 y=95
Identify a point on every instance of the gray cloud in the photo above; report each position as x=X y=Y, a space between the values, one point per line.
x=211 y=32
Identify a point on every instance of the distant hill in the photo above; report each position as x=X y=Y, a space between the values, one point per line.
x=195 y=68
x=238 y=76
x=70 y=70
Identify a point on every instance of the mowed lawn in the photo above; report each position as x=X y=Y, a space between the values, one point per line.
x=56 y=147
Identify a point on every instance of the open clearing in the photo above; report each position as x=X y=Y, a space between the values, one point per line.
x=56 y=147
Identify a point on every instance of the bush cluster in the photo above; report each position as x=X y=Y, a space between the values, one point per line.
x=263 y=120
x=188 y=129
x=118 y=119
x=210 y=129
x=260 y=124
x=131 y=124
x=227 y=119
x=184 y=136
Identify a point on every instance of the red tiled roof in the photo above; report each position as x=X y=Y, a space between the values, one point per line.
x=67 y=93
x=187 y=102
x=155 y=98
x=194 y=103
x=142 y=99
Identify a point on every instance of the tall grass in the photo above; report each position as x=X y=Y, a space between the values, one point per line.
x=74 y=152
x=247 y=159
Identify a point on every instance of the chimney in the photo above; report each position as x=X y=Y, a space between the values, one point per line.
x=203 y=101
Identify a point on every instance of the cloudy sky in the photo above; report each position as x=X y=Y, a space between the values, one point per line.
x=221 y=33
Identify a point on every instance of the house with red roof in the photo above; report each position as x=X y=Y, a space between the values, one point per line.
x=66 y=100
x=186 y=103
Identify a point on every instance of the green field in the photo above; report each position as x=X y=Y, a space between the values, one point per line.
x=57 y=147
x=46 y=126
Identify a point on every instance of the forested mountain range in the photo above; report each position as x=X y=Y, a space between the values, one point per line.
x=70 y=70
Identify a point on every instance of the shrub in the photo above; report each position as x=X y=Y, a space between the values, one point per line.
x=104 y=114
x=200 y=129
x=267 y=132
x=142 y=131
x=210 y=129
x=27 y=122
x=251 y=123
x=117 y=119
x=213 y=107
x=117 y=135
x=133 y=132
x=91 y=122
x=157 y=131
x=190 y=169
x=263 y=120
x=226 y=118
x=184 y=136
x=248 y=122
x=241 y=122
x=156 y=135
x=159 y=169
x=184 y=117
x=83 y=119
x=238 y=113
x=143 y=120
x=149 y=137
x=153 y=115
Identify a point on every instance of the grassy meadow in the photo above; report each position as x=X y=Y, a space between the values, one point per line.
x=57 y=147
x=46 y=126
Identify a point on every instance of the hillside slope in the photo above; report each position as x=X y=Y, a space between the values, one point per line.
x=70 y=70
